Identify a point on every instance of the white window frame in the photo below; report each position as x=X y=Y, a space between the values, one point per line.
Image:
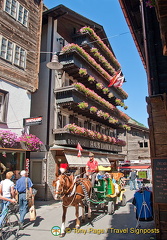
x=3 y=106
x=4 y=48
x=21 y=54
x=67 y=119
x=80 y=122
x=25 y=13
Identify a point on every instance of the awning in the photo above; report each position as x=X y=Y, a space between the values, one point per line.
x=75 y=161
x=135 y=167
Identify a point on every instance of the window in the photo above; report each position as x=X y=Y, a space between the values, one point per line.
x=80 y=123
x=11 y=7
x=12 y=52
x=3 y=105
x=19 y=58
x=17 y=11
x=145 y=144
x=6 y=49
x=22 y=15
x=141 y=144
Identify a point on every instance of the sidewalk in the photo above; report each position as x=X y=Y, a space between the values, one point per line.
x=49 y=214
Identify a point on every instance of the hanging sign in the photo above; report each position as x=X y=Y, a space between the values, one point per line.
x=32 y=121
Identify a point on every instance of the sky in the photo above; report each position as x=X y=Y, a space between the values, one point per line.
x=108 y=13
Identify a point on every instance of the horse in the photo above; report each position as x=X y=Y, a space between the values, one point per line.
x=72 y=192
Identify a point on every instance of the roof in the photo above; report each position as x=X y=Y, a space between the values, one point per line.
x=68 y=15
x=134 y=122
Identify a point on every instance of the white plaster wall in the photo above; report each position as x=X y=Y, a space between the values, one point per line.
x=18 y=106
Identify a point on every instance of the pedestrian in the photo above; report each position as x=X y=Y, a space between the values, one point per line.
x=21 y=189
x=91 y=168
x=132 y=177
x=7 y=188
x=2 y=170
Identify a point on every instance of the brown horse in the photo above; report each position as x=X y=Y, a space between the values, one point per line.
x=72 y=194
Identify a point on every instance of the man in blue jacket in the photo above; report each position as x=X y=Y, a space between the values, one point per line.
x=21 y=188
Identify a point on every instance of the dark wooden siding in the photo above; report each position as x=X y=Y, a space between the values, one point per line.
x=26 y=37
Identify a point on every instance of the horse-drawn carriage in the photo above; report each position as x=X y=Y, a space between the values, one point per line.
x=108 y=192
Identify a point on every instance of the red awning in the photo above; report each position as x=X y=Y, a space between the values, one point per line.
x=135 y=167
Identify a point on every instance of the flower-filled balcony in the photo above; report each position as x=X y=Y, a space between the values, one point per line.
x=82 y=100
x=71 y=134
x=90 y=40
x=74 y=58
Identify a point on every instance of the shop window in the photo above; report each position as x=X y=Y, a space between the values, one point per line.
x=3 y=105
x=13 y=161
x=36 y=172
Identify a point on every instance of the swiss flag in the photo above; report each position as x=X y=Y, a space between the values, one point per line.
x=79 y=150
x=114 y=78
x=119 y=82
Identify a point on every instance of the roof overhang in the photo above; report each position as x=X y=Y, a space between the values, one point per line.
x=103 y=158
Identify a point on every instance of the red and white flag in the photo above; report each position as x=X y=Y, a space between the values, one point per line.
x=79 y=150
x=119 y=82
x=114 y=78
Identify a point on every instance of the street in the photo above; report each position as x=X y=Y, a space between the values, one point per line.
x=119 y=226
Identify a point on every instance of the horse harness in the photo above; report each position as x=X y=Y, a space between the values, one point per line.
x=73 y=187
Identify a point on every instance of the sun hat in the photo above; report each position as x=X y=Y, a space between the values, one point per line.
x=91 y=154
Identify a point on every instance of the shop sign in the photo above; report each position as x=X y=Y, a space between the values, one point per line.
x=27 y=165
x=32 y=121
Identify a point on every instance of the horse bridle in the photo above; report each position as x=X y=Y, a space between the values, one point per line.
x=60 y=192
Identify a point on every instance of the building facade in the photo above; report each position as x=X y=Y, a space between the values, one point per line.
x=148 y=24
x=75 y=102
x=137 y=149
x=19 y=67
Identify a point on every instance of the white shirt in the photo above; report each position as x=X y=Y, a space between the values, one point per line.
x=6 y=188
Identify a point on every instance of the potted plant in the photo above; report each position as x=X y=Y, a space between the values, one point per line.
x=32 y=142
x=82 y=72
x=105 y=90
x=8 y=139
x=110 y=95
x=91 y=79
x=150 y=3
x=99 y=85
x=93 y=109
x=83 y=105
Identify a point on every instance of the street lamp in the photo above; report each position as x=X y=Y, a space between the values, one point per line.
x=54 y=64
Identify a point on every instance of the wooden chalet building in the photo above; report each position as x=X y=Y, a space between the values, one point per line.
x=137 y=150
x=20 y=32
x=76 y=103
x=147 y=21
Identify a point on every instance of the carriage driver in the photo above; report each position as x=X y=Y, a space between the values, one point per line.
x=91 y=168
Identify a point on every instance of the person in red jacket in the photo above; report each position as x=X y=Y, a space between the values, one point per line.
x=91 y=168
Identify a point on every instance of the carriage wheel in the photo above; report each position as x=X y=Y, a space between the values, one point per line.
x=123 y=202
x=111 y=207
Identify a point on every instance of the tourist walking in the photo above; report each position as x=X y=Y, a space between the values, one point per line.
x=21 y=185
x=7 y=188
x=132 y=178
